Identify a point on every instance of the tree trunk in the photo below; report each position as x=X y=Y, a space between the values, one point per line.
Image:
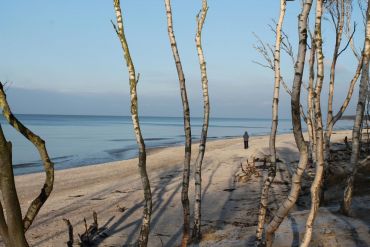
x=201 y=17
x=356 y=133
x=10 y=230
x=311 y=123
x=133 y=80
x=275 y=111
x=316 y=184
x=39 y=143
x=338 y=39
x=4 y=233
x=14 y=224
x=338 y=12
x=187 y=129
x=297 y=127
x=335 y=118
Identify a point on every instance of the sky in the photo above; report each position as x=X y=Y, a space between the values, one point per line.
x=63 y=57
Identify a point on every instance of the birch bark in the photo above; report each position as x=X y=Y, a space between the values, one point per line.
x=187 y=128
x=316 y=184
x=275 y=110
x=133 y=80
x=356 y=133
x=340 y=10
x=297 y=127
x=201 y=17
x=311 y=125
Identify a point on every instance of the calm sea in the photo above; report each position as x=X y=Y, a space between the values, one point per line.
x=84 y=140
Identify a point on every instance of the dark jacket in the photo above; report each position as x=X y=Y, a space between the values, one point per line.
x=246 y=136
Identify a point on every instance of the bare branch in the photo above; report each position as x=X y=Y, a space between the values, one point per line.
x=114 y=27
x=287 y=47
x=263 y=49
x=349 y=41
x=263 y=65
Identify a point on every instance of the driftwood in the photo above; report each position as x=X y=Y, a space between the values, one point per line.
x=246 y=173
x=91 y=234
x=70 y=233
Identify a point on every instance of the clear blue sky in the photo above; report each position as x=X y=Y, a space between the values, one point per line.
x=63 y=57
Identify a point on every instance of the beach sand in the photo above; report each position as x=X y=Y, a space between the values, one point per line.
x=229 y=210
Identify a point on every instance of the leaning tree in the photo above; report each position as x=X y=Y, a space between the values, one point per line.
x=289 y=202
x=12 y=226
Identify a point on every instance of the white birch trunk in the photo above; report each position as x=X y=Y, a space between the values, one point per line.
x=297 y=128
x=338 y=40
x=316 y=184
x=133 y=80
x=201 y=17
x=187 y=129
x=275 y=111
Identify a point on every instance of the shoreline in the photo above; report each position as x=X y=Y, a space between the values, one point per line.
x=149 y=150
x=69 y=150
x=38 y=164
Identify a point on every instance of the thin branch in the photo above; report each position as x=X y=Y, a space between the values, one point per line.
x=263 y=65
x=349 y=41
x=287 y=47
x=114 y=27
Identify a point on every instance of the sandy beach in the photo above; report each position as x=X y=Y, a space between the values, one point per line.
x=230 y=207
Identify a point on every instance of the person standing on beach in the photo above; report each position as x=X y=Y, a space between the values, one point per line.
x=246 y=139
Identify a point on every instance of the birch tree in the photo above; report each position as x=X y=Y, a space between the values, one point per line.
x=201 y=17
x=336 y=9
x=12 y=226
x=289 y=202
x=268 y=53
x=187 y=128
x=317 y=182
x=272 y=168
x=339 y=12
x=133 y=81
x=356 y=133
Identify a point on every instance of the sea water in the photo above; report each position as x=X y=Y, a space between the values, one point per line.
x=85 y=140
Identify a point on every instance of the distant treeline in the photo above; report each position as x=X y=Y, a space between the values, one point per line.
x=352 y=117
